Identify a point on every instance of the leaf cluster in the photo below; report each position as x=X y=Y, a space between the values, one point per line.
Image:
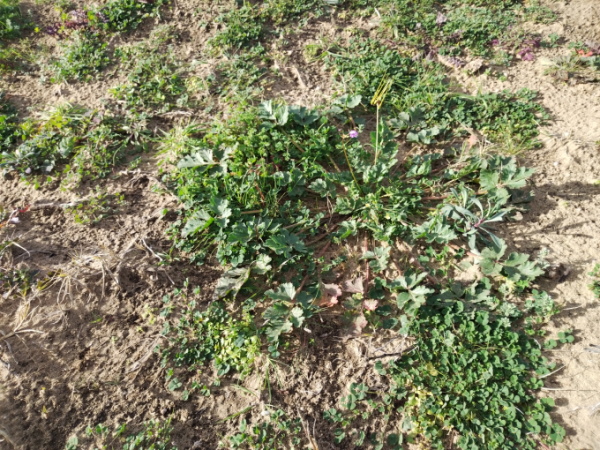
x=421 y=104
x=276 y=432
x=90 y=142
x=197 y=338
x=151 y=435
x=82 y=58
x=154 y=79
x=12 y=22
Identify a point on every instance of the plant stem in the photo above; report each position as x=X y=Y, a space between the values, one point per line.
x=377 y=136
x=350 y=167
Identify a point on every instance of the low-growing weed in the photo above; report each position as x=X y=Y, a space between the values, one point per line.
x=449 y=27
x=82 y=58
x=584 y=64
x=595 y=284
x=153 y=435
x=275 y=432
x=89 y=143
x=261 y=192
x=242 y=27
x=248 y=24
x=154 y=80
x=420 y=101
x=213 y=336
x=113 y=16
x=537 y=13
x=8 y=122
x=11 y=20
x=12 y=278
x=125 y=15
x=467 y=373
x=94 y=210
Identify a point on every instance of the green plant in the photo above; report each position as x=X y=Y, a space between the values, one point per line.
x=154 y=80
x=12 y=278
x=467 y=373
x=90 y=142
x=539 y=14
x=125 y=15
x=198 y=338
x=94 y=210
x=242 y=27
x=11 y=19
x=8 y=122
x=449 y=26
x=151 y=435
x=275 y=432
x=422 y=106
x=595 y=284
x=82 y=58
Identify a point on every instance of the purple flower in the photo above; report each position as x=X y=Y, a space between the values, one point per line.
x=28 y=170
x=353 y=134
x=528 y=56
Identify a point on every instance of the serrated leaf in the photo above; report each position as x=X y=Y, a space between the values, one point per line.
x=231 y=282
x=284 y=242
x=302 y=115
x=285 y=292
x=297 y=316
x=354 y=286
x=348 y=101
x=197 y=222
x=202 y=158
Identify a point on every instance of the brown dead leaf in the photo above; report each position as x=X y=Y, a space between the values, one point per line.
x=353 y=286
x=329 y=295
